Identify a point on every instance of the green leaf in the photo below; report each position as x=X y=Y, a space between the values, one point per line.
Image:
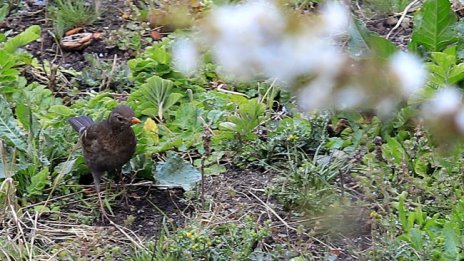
x=417 y=239
x=394 y=151
x=32 y=33
x=365 y=43
x=402 y=216
x=155 y=95
x=4 y=10
x=24 y=115
x=175 y=172
x=452 y=242
x=38 y=183
x=434 y=26
x=65 y=167
x=188 y=117
x=421 y=166
x=9 y=130
x=61 y=110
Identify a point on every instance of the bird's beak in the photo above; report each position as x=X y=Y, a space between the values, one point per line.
x=135 y=120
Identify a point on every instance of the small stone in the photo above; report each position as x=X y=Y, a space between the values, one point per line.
x=391 y=20
x=406 y=23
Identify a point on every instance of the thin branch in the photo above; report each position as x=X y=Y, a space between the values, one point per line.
x=403 y=15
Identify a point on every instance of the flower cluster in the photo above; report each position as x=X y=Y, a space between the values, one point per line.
x=262 y=39
x=444 y=113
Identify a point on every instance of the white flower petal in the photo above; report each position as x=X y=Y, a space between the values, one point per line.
x=410 y=71
x=185 y=56
x=336 y=17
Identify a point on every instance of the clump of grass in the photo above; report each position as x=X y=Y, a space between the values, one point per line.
x=68 y=14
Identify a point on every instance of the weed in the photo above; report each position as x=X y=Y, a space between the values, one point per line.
x=194 y=242
x=68 y=14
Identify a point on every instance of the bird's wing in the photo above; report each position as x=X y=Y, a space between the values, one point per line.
x=80 y=123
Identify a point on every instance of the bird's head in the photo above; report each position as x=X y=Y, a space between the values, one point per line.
x=122 y=116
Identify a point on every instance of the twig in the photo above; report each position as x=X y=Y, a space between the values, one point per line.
x=219 y=88
x=139 y=244
x=403 y=15
x=273 y=212
x=34 y=233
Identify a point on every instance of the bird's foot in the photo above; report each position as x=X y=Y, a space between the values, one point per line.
x=124 y=197
x=104 y=214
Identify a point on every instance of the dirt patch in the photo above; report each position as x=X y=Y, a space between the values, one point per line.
x=47 y=47
x=237 y=194
x=385 y=27
x=149 y=209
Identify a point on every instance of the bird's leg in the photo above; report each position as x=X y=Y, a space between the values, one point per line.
x=124 y=196
x=96 y=180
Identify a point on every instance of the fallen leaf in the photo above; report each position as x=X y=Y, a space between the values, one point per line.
x=155 y=35
x=73 y=31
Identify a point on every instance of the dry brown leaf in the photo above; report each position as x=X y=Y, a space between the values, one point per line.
x=73 y=31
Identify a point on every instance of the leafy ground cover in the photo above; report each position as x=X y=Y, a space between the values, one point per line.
x=279 y=181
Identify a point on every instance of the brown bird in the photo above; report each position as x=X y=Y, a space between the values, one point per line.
x=107 y=145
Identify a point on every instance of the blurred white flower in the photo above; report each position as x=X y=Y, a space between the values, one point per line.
x=253 y=39
x=349 y=97
x=459 y=119
x=446 y=101
x=185 y=56
x=246 y=36
x=410 y=72
x=317 y=95
x=336 y=17
x=385 y=106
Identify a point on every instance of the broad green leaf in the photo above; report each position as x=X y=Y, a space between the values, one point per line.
x=155 y=95
x=452 y=242
x=9 y=130
x=228 y=126
x=188 y=117
x=365 y=43
x=32 y=33
x=434 y=26
x=456 y=74
x=175 y=172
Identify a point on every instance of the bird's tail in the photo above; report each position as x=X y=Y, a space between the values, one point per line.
x=80 y=123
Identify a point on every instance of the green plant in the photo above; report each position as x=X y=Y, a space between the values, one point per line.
x=222 y=242
x=155 y=97
x=434 y=26
x=104 y=75
x=69 y=14
x=240 y=127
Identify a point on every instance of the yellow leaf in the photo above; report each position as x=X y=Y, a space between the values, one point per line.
x=151 y=130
